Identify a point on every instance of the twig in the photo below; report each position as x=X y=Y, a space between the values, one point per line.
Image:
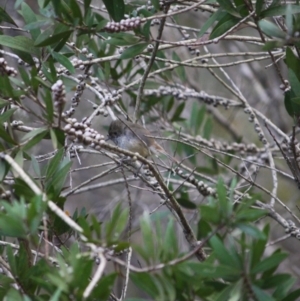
x=124 y=290
x=147 y=71
x=96 y=277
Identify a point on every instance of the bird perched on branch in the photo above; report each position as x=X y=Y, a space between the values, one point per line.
x=135 y=138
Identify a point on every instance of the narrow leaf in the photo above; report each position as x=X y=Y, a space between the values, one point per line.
x=115 y=8
x=133 y=51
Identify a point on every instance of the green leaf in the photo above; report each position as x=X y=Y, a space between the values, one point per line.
x=289 y=19
x=49 y=105
x=250 y=215
x=5 y=17
x=115 y=8
x=208 y=126
x=279 y=10
x=293 y=296
x=203 y=229
x=3 y=103
x=11 y=260
x=293 y=62
x=52 y=39
x=208 y=270
x=133 y=51
x=30 y=17
x=58 y=137
x=104 y=287
x=224 y=295
x=223 y=254
x=64 y=61
x=76 y=11
x=296 y=100
x=177 y=113
x=180 y=71
x=251 y=230
x=227 y=22
x=11 y=225
x=275 y=280
x=33 y=133
x=225 y=205
x=156 y=5
x=211 y=20
x=116 y=225
x=6 y=115
x=53 y=164
x=241 y=8
x=259 y=6
x=283 y=288
x=36 y=137
x=4 y=168
x=288 y=103
x=271 y=29
x=261 y=295
x=147 y=233
x=237 y=291
x=5 y=136
x=210 y=214
x=186 y=203
x=145 y=282
x=295 y=92
x=268 y=263
x=21 y=43
x=59 y=178
x=197 y=117
x=170 y=245
x=228 y=6
x=35 y=166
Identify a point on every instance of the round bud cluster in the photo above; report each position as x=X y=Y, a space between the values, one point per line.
x=81 y=132
x=5 y=195
x=185 y=34
x=75 y=99
x=183 y=94
x=79 y=90
x=111 y=98
x=194 y=51
x=41 y=75
x=259 y=131
x=249 y=111
x=77 y=63
x=297 y=153
x=285 y=86
x=6 y=70
x=225 y=147
x=16 y=123
x=292 y=229
x=123 y=25
x=250 y=165
x=155 y=22
x=84 y=51
x=292 y=146
x=112 y=252
x=59 y=93
x=204 y=189
x=150 y=48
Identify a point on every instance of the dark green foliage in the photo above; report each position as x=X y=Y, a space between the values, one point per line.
x=47 y=253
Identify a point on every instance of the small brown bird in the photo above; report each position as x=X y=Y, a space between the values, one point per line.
x=135 y=138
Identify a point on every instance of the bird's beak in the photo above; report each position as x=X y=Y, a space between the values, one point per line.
x=108 y=138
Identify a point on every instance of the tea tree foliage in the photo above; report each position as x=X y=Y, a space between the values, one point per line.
x=217 y=83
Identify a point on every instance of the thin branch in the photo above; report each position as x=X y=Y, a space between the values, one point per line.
x=147 y=71
x=97 y=276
